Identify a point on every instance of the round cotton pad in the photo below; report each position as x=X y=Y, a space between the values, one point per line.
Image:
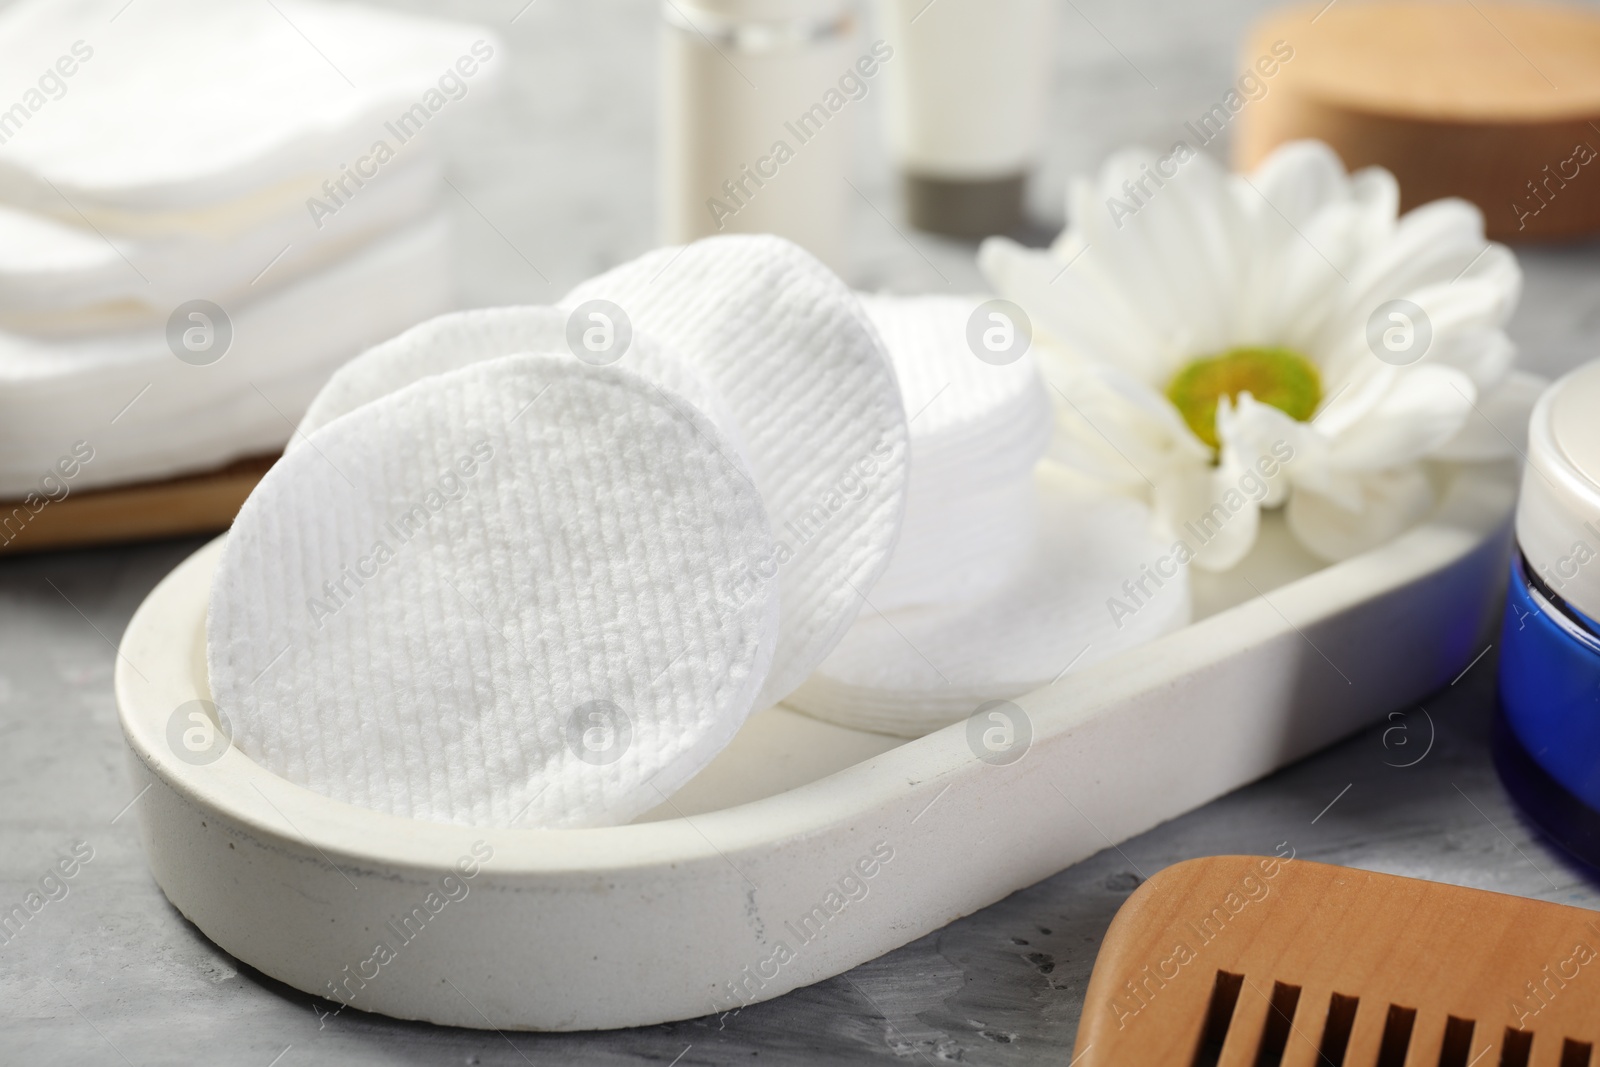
x=787 y=345
x=911 y=671
x=454 y=606
x=958 y=549
x=977 y=430
x=970 y=419
x=462 y=338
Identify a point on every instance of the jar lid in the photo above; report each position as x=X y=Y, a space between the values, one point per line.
x=1558 y=515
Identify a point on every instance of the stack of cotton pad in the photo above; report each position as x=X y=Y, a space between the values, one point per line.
x=805 y=378
x=275 y=160
x=146 y=413
x=911 y=671
x=498 y=579
x=977 y=431
x=1001 y=575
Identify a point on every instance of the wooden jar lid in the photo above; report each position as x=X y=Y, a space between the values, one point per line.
x=1498 y=103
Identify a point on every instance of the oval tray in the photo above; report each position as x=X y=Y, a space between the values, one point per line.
x=805 y=848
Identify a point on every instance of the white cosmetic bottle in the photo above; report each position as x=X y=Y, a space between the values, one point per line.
x=759 y=98
x=967 y=95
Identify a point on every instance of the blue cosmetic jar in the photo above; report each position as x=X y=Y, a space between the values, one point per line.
x=1547 y=729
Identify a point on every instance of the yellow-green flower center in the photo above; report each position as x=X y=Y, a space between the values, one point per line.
x=1281 y=377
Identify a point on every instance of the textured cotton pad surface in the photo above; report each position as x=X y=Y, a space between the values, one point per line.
x=457 y=607
x=177 y=103
x=911 y=671
x=461 y=338
x=787 y=346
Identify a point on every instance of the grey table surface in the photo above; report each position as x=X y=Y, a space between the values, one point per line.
x=555 y=182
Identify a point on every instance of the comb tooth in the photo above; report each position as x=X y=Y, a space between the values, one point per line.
x=1302 y=1050
x=1366 y=1038
x=1249 y=1020
x=1576 y=1053
x=1455 y=1044
x=1516 y=1048
x=1218 y=1021
x=1305 y=1037
x=1318 y=1013
x=1546 y=1052
x=1427 y=1037
x=1551 y=1050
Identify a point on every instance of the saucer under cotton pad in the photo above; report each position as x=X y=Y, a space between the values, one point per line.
x=183 y=103
x=787 y=346
x=918 y=669
x=461 y=338
x=148 y=414
x=531 y=617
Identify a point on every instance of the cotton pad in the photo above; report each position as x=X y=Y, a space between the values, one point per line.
x=976 y=418
x=955 y=549
x=911 y=671
x=160 y=106
x=977 y=430
x=457 y=607
x=148 y=414
x=461 y=338
x=787 y=346
x=61 y=278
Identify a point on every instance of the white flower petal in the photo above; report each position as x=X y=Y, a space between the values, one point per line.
x=1348 y=398
x=1064 y=303
x=1471 y=305
x=1378 y=193
x=1259 y=438
x=1208 y=510
x=1485 y=356
x=1139 y=242
x=1436 y=258
x=1295 y=270
x=1390 y=502
x=1498 y=427
x=1425 y=407
x=1343 y=234
x=1299 y=179
x=1435 y=242
x=1111 y=425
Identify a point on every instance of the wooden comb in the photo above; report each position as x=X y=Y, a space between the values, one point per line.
x=1245 y=960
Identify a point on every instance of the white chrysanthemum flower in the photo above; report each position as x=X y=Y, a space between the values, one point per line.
x=1208 y=338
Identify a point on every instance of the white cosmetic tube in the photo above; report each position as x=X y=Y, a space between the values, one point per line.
x=967 y=94
x=759 y=98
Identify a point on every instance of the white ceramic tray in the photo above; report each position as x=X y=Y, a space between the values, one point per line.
x=806 y=848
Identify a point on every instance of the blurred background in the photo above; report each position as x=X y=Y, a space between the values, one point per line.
x=566 y=164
